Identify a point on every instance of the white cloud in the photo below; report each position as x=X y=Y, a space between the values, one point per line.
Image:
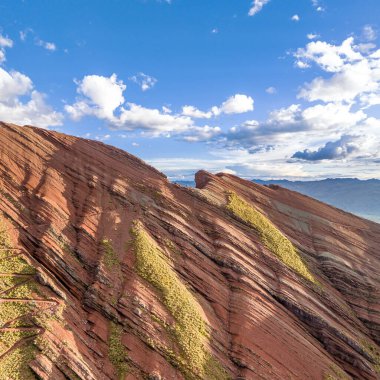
x=215 y=31
x=302 y=65
x=5 y=42
x=300 y=126
x=196 y=113
x=351 y=81
x=100 y=97
x=235 y=104
x=329 y=57
x=332 y=116
x=295 y=18
x=14 y=87
x=335 y=132
x=271 y=90
x=312 y=36
x=206 y=133
x=50 y=46
x=346 y=146
x=46 y=45
x=369 y=33
x=369 y=100
x=166 y=109
x=355 y=71
x=257 y=6
x=234 y=162
x=317 y=5
x=24 y=33
x=238 y=103
x=145 y=81
x=103 y=98
x=150 y=121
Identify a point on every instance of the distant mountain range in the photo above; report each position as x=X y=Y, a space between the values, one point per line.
x=349 y=194
x=361 y=197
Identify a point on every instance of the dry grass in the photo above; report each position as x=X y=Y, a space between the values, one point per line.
x=270 y=235
x=190 y=331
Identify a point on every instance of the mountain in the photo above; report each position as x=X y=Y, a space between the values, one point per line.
x=350 y=194
x=109 y=271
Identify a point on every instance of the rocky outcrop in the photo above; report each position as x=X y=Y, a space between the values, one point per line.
x=132 y=277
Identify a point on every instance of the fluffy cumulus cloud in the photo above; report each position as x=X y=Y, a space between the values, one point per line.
x=100 y=96
x=235 y=104
x=332 y=150
x=329 y=57
x=151 y=121
x=257 y=6
x=103 y=98
x=355 y=72
x=293 y=124
x=331 y=123
x=201 y=134
x=351 y=81
x=196 y=113
x=21 y=104
x=333 y=126
x=12 y=85
x=146 y=82
x=238 y=103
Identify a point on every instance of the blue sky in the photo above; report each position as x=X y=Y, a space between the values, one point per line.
x=259 y=88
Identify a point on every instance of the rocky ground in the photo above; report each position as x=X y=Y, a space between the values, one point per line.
x=109 y=271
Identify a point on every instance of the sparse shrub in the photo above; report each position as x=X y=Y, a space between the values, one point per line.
x=117 y=351
x=110 y=257
x=373 y=352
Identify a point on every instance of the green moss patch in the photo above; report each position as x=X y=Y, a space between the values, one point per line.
x=12 y=310
x=110 y=258
x=15 y=365
x=117 y=352
x=9 y=338
x=23 y=291
x=8 y=282
x=270 y=235
x=190 y=331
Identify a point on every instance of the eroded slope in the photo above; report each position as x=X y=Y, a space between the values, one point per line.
x=149 y=280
